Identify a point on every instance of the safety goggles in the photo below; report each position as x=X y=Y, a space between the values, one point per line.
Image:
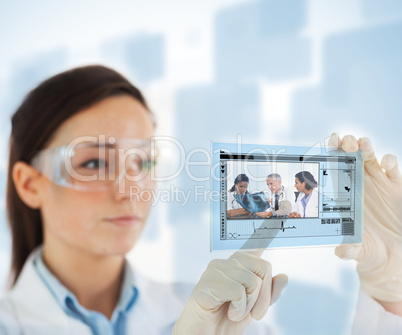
x=97 y=166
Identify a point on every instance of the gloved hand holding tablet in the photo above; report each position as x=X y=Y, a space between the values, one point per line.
x=379 y=257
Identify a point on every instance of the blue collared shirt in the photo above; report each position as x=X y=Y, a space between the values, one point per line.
x=99 y=323
x=304 y=201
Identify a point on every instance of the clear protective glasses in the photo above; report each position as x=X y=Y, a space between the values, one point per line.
x=88 y=164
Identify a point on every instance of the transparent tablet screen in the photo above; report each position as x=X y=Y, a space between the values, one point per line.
x=284 y=196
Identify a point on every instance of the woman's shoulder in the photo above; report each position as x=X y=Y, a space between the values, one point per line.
x=9 y=321
x=29 y=306
x=7 y=315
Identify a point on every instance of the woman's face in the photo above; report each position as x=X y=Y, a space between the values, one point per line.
x=241 y=187
x=104 y=222
x=299 y=186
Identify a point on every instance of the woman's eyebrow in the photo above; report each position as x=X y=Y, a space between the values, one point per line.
x=109 y=145
x=101 y=145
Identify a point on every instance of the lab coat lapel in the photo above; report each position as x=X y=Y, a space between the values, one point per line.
x=36 y=309
x=312 y=206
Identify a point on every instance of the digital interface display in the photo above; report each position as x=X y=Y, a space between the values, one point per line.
x=284 y=196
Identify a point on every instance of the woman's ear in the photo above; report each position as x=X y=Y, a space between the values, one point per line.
x=26 y=181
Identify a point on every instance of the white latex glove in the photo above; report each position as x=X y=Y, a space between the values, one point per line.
x=379 y=258
x=229 y=294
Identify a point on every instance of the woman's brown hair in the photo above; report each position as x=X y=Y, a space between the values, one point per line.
x=41 y=113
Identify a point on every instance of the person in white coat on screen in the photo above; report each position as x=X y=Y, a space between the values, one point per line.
x=240 y=185
x=306 y=205
x=280 y=197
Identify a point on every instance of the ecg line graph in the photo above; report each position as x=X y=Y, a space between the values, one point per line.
x=282 y=227
x=257 y=231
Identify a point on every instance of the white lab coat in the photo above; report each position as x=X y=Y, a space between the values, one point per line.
x=286 y=194
x=312 y=205
x=30 y=309
x=232 y=202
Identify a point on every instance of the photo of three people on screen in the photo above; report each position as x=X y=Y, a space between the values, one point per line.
x=276 y=201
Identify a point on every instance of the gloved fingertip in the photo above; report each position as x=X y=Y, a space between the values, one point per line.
x=340 y=251
x=347 y=252
x=334 y=140
x=260 y=314
x=365 y=144
x=349 y=144
x=256 y=252
x=389 y=162
x=282 y=279
x=279 y=282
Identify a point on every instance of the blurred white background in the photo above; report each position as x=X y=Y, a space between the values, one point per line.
x=276 y=72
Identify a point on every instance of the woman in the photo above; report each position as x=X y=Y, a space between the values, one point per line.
x=306 y=205
x=240 y=186
x=79 y=142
